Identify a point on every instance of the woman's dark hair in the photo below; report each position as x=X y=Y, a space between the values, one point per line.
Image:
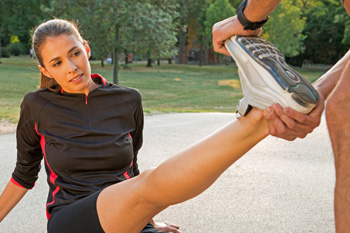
x=51 y=28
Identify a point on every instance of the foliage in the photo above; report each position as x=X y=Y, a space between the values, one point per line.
x=18 y=17
x=217 y=11
x=235 y=3
x=343 y=17
x=189 y=11
x=151 y=31
x=5 y=52
x=96 y=21
x=325 y=30
x=130 y=26
x=346 y=38
x=16 y=48
x=153 y=28
x=285 y=27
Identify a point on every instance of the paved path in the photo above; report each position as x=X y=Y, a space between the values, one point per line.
x=278 y=186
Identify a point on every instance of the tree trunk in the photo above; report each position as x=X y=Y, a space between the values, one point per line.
x=149 y=62
x=126 y=58
x=102 y=63
x=206 y=50
x=201 y=54
x=158 y=61
x=115 y=55
x=169 y=61
x=182 y=43
x=0 y=49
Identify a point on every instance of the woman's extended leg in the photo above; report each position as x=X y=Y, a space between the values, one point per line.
x=127 y=207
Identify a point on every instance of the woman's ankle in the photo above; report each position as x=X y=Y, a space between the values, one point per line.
x=256 y=119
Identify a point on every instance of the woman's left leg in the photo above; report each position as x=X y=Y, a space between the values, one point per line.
x=128 y=206
x=81 y=216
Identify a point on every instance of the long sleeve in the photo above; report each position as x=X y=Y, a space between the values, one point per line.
x=29 y=153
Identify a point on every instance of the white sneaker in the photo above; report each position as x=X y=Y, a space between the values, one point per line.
x=267 y=79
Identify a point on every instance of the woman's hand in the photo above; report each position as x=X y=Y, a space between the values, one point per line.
x=165 y=227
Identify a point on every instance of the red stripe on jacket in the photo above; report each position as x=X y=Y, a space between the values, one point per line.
x=53 y=176
x=126 y=174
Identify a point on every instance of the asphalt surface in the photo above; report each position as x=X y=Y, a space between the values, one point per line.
x=278 y=186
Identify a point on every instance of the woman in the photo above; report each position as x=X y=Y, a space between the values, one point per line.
x=89 y=132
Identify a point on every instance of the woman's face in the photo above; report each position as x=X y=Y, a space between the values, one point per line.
x=65 y=59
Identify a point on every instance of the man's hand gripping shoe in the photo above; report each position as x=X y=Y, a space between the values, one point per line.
x=267 y=79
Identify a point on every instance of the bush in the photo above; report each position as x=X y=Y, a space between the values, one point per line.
x=5 y=52
x=127 y=66
x=16 y=48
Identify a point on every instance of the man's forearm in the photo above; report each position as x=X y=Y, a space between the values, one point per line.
x=327 y=82
x=258 y=10
x=254 y=11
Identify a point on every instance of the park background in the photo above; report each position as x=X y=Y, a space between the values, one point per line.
x=279 y=186
x=164 y=48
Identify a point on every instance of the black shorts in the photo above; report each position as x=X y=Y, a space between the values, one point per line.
x=81 y=216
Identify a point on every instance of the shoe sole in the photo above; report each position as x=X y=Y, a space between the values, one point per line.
x=266 y=78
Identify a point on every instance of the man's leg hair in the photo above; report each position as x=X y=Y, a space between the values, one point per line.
x=337 y=111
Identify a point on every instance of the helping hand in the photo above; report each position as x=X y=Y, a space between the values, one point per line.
x=227 y=28
x=289 y=124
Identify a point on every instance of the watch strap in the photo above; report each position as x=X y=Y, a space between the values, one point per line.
x=245 y=22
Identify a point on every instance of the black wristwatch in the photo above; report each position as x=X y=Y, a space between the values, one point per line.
x=245 y=22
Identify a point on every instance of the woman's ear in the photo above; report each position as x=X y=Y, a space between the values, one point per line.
x=44 y=71
x=87 y=48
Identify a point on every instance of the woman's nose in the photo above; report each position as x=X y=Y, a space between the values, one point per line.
x=72 y=67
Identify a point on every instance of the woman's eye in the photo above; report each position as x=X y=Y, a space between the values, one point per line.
x=76 y=53
x=56 y=64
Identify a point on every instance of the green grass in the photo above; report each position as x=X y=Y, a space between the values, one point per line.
x=311 y=74
x=164 y=88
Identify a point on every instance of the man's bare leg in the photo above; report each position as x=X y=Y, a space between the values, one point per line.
x=337 y=112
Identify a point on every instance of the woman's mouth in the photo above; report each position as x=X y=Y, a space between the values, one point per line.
x=76 y=79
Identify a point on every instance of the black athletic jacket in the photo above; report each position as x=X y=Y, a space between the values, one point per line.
x=88 y=143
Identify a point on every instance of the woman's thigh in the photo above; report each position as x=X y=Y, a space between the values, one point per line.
x=82 y=217
x=126 y=207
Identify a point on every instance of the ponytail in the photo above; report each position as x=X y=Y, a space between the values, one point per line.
x=50 y=83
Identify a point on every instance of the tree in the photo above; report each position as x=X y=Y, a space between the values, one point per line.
x=170 y=7
x=101 y=21
x=98 y=29
x=324 y=29
x=17 y=18
x=346 y=38
x=188 y=13
x=3 y=16
x=153 y=31
x=285 y=27
x=217 y=11
x=202 y=35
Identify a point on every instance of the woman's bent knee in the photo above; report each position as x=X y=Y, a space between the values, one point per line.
x=129 y=199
